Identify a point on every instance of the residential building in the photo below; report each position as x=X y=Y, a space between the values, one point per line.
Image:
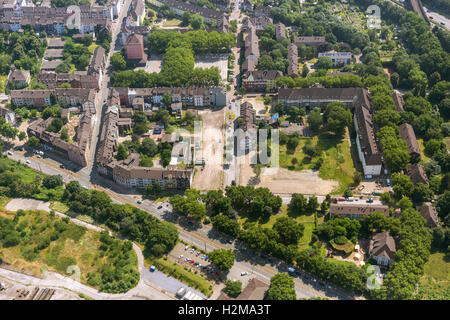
x=50 y=66
x=55 y=43
x=398 y=100
x=310 y=41
x=417 y=173
x=292 y=57
x=188 y=96
x=137 y=10
x=260 y=23
x=247 y=116
x=261 y=80
x=18 y=79
x=134 y=48
x=31 y=98
x=338 y=58
x=356 y=210
x=280 y=31
x=430 y=214
x=382 y=248
x=54 y=80
x=408 y=135
x=78 y=151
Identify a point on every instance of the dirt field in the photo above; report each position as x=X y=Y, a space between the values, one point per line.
x=288 y=182
x=219 y=61
x=211 y=175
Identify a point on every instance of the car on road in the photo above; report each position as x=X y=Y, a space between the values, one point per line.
x=28 y=161
x=244 y=273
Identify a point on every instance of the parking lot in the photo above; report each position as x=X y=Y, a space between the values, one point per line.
x=194 y=260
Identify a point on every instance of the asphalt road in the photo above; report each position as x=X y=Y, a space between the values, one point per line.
x=439 y=19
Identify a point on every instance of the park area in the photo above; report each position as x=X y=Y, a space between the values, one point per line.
x=307 y=220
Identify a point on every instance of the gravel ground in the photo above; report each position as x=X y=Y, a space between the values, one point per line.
x=27 y=204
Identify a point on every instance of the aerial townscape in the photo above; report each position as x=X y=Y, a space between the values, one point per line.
x=224 y=150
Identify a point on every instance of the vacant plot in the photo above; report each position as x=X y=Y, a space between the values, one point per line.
x=290 y=182
x=434 y=285
x=27 y=204
x=217 y=60
x=3 y=80
x=210 y=176
x=171 y=23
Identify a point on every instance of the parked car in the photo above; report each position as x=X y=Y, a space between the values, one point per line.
x=159 y=207
x=28 y=161
x=203 y=257
x=193 y=250
x=10 y=153
x=152 y=268
x=180 y=256
x=198 y=253
x=191 y=261
x=139 y=202
x=185 y=248
x=244 y=273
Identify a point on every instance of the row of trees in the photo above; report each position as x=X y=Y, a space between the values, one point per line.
x=199 y=41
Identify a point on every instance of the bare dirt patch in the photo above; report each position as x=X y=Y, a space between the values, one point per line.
x=211 y=175
x=289 y=182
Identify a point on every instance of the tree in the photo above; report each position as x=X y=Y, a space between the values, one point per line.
x=315 y=120
x=422 y=192
x=33 y=142
x=305 y=71
x=281 y=287
x=122 y=152
x=404 y=203
x=222 y=258
x=337 y=117
x=289 y=231
x=324 y=63
x=167 y=99
x=64 y=134
x=298 y=204
x=233 y=288
x=197 y=21
x=153 y=189
x=148 y=147
x=22 y=135
x=118 y=62
x=402 y=185
x=51 y=182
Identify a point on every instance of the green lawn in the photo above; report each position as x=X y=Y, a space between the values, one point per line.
x=171 y=23
x=422 y=148
x=337 y=159
x=434 y=285
x=3 y=80
x=59 y=207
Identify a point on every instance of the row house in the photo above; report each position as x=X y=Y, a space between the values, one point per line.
x=31 y=98
x=408 y=135
x=292 y=57
x=54 y=80
x=190 y=96
x=260 y=23
x=77 y=151
x=310 y=41
x=354 y=210
x=261 y=80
